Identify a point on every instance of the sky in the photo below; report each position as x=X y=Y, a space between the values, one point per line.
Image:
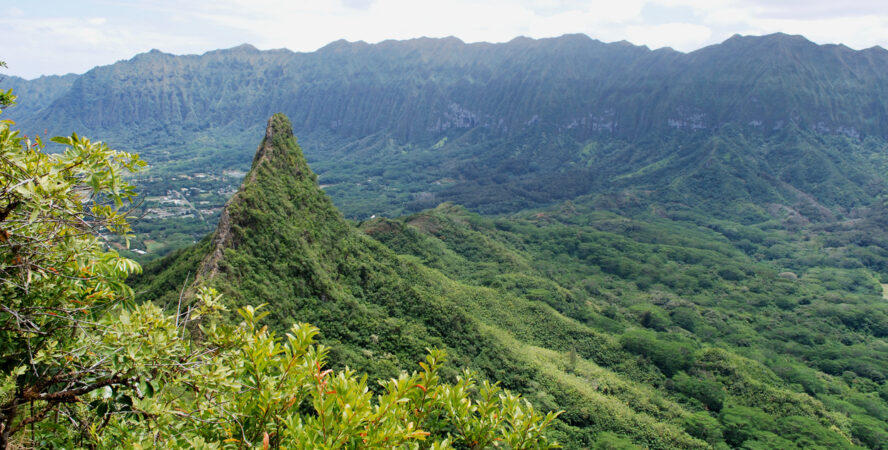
x=46 y=37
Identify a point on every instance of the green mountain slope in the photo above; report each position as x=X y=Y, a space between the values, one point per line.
x=608 y=318
x=37 y=94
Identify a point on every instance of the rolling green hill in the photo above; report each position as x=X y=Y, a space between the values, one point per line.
x=657 y=333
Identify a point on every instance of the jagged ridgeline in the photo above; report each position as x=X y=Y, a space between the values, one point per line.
x=446 y=278
x=755 y=120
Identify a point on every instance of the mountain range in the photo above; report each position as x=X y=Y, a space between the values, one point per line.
x=678 y=250
x=499 y=127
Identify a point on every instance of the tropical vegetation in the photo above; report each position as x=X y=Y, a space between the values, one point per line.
x=87 y=364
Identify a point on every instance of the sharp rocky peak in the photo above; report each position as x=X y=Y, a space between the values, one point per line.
x=279 y=126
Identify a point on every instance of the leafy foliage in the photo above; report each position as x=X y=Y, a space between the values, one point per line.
x=56 y=278
x=254 y=388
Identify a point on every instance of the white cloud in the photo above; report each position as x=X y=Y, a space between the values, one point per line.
x=310 y=26
x=728 y=16
x=357 y=4
x=12 y=12
x=680 y=36
x=37 y=42
x=856 y=32
x=57 y=45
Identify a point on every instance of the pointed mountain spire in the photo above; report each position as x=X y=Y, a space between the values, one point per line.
x=279 y=182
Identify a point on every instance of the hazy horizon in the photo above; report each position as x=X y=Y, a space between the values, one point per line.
x=56 y=37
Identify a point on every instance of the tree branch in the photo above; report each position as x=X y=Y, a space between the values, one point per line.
x=71 y=395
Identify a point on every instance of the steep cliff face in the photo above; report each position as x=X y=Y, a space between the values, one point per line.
x=501 y=127
x=422 y=88
x=771 y=120
x=156 y=92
